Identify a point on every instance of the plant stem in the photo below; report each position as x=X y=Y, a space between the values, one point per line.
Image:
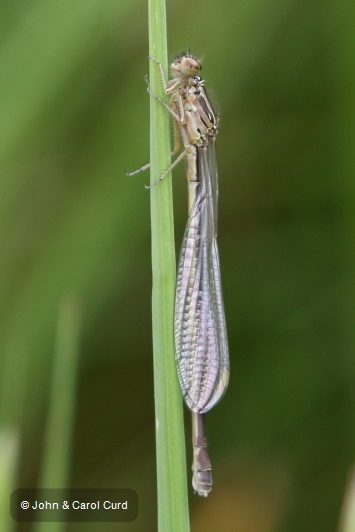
x=170 y=441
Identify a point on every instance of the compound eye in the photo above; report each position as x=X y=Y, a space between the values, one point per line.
x=190 y=66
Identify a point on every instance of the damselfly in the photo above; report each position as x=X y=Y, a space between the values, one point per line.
x=201 y=347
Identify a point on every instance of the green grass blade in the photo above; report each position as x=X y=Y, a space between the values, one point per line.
x=170 y=443
x=12 y=397
x=57 y=452
x=9 y=460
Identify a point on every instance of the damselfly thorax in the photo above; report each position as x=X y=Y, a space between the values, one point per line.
x=199 y=117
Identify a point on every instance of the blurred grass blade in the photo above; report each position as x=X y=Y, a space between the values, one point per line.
x=9 y=458
x=170 y=445
x=60 y=416
x=347 y=521
x=12 y=393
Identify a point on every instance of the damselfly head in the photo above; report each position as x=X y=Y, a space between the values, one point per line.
x=185 y=66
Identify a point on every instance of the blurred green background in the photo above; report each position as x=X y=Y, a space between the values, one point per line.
x=74 y=115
